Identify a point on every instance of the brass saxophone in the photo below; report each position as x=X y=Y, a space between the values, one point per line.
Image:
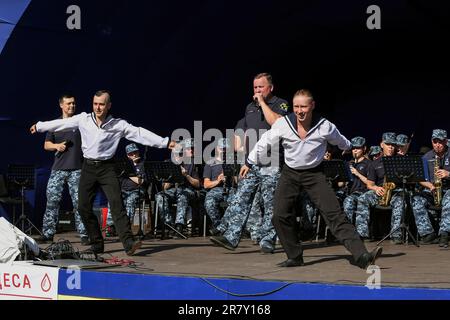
x=437 y=195
x=386 y=198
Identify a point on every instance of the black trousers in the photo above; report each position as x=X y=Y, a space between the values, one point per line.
x=92 y=176
x=313 y=181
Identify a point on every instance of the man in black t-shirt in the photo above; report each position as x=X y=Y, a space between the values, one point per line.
x=219 y=186
x=377 y=188
x=66 y=169
x=260 y=114
x=359 y=168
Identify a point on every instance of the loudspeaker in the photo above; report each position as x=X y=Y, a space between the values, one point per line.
x=66 y=221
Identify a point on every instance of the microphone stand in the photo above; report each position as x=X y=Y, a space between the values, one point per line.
x=140 y=177
x=224 y=187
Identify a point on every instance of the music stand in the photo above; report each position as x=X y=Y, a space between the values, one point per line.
x=164 y=171
x=124 y=168
x=403 y=170
x=229 y=171
x=336 y=170
x=24 y=177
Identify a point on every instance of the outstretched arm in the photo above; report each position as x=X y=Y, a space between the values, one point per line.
x=146 y=137
x=335 y=138
x=57 y=125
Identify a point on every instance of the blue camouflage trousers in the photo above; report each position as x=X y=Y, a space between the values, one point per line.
x=130 y=200
x=239 y=210
x=370 y=199
x=350 y=204
x=181 y=196
x=444 y=225
x=255 y=218
x=254 y=221
x=55 y=187
x=213 y=199
x=419 y=204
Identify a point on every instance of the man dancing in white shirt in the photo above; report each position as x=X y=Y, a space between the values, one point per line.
x=304 y=138
x=100 y=136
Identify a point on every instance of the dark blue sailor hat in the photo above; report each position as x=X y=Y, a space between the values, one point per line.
x=440 y=134
x=132 y=147
x=358 y=142
x=402 y=140
x=374 y=150
x=390 y=138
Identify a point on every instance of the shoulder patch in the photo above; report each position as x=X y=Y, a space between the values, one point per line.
x=284 y=106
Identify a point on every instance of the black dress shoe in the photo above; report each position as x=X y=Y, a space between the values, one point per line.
x=85 y=241
x=430 y=239
x=292 y=263
x=222 y=242
x=214 y=232
x=133 y=246
x=443 y=240
x=369 y=258
x=267 y=249
x=97 y=248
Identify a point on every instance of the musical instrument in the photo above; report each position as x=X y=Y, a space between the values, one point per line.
x=225 y=189
x=386 y=198
x=437 y=195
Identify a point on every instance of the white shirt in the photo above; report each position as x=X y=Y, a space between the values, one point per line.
x=298 y=153
x=100 y=143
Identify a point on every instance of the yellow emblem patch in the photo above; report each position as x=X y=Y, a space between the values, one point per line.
x=284 y=106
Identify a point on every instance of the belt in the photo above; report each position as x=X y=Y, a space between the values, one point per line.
x=97 y=162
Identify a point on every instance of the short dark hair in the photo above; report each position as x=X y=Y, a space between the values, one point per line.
x=65 y=96
x=264 y=74
x=99 y=93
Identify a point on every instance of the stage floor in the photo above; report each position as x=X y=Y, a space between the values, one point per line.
x=401 y=265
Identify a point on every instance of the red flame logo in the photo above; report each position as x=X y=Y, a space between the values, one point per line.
x=46 y=284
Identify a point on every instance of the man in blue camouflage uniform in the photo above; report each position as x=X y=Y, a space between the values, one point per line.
x=254 y=221
x=359 y=168
x=375 y=152
x=421 y=202
x=402 y=144
x=180 y=193
x=424 y=227
x=260 y=114
x=372 y=197
x=218 y=185
x=131 y=185
x=66 y=169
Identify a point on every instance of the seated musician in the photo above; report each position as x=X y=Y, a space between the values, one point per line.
x=438 y=164
x=219 y=187
x=379 y=191
x=359 y=168
x=180 y=193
